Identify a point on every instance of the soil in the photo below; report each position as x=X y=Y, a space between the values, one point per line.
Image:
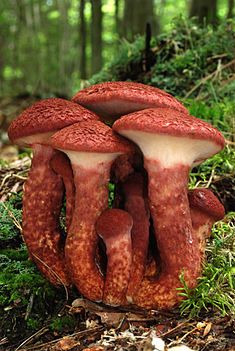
x=111 y=329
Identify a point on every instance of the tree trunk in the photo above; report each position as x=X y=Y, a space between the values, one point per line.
x=2 y=49
x=137 y=16
x=63 y=88
x=127 y=27
x=83 y=40
x=96 y=35
x=230 y=8
x=117 y=20
x=204 y=11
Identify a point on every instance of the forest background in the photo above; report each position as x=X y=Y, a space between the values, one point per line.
x=49 y=47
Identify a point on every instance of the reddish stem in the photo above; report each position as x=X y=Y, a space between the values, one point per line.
x=114 y=227
x=205 y=210
x=135 y=204
x=42 y=201
x=176 y=241
x=91 y=200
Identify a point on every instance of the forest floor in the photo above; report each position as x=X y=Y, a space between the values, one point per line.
x=98 y=327
x=103 y=328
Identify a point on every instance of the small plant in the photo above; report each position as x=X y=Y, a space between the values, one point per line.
x=220 y=165
x=33 y=324
x=64 y=323
x=10 y=221
x=111 y=194
x=215 y=288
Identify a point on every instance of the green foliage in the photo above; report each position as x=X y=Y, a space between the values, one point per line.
x=216 y=286
x=220 y=114
x=19 y=278
x=63 y=323
x=190 y=54
x=180 y=60
x=111 y=194
x=33 y=324
x=220 y=165
x=8 y=215
x=123 y=66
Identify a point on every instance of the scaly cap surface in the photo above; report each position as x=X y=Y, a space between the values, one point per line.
x=118 y=98
x=90 y=136
x=48 y=115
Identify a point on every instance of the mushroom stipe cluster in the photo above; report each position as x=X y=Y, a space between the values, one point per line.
x=135 y=252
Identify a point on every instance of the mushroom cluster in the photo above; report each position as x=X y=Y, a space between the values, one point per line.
x=135 y=252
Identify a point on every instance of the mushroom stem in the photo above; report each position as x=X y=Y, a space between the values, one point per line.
x=205 y=210
x=91 y=199
x=135 y=204
x=176 y=241
x=114 y=227
x=42 y=203
x=61 y=165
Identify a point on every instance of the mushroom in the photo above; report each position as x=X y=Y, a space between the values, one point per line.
x=114 y=227
x=135 y=203
x=92 y=147
x=205 y=210
x=172 y=142
x=43 y=190
x=110 y=100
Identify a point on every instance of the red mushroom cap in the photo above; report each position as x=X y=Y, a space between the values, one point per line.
x=48 y=115
x=171 y=136
x=204 y=200
x=170 y=122
x=112 y=223
x=113 y=99
x=90 y=136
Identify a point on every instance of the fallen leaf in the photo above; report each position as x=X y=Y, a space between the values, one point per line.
x=65 y=344
x=180 y=348
x=112 y=318
x=207 y=329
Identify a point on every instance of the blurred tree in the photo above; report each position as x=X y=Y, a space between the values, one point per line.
x=204 y=10
x=117 y=19
x=83 y=40
x=47 y=47
x=230 y=9
x=63 y=7
x=96 y=35
x=136 y=16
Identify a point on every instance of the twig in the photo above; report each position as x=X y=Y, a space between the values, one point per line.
x=15 y=221
x=38 y=333
x=211 y=178
x=179 y=341
x=19 y=177
x=169 y=332
x=205 y=79
x=4 y=179
x=53 y=273
x=78 y=334
x=29 y=307
x=229 y=142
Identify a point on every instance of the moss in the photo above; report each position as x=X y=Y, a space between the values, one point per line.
x=219 y=165
x=179 y=61
x=8 y=230
x=215 y=289
x=65 y=323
